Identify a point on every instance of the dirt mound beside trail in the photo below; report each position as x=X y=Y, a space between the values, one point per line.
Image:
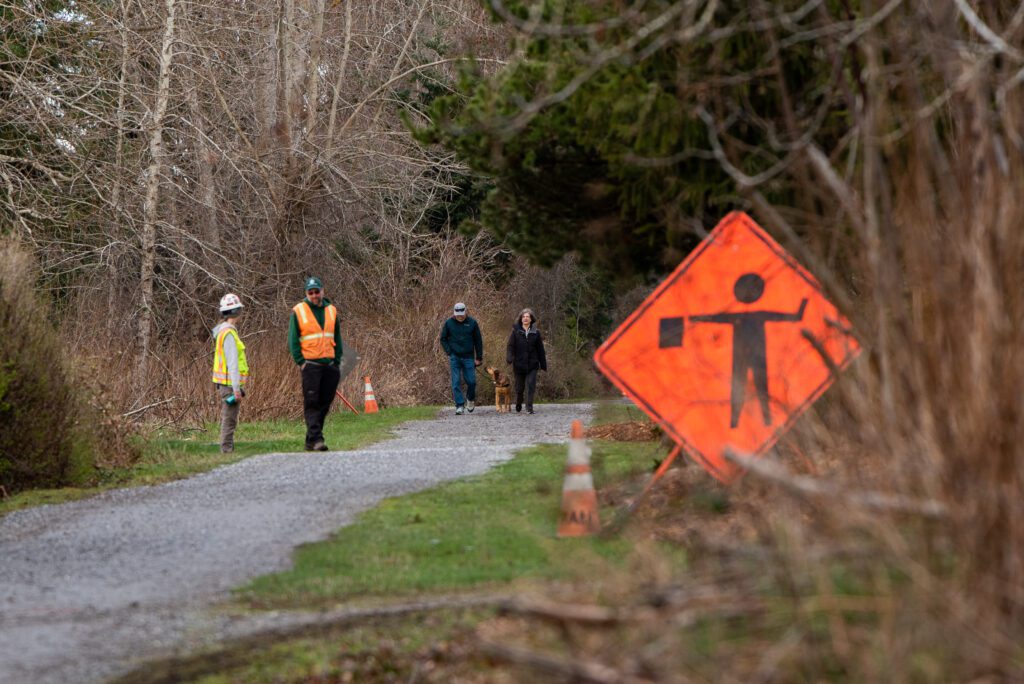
x=633 y=431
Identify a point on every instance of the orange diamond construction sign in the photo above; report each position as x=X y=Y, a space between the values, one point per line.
x=731 y=348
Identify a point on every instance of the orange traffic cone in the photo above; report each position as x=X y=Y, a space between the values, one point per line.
x=579 y=500
x=369 y=401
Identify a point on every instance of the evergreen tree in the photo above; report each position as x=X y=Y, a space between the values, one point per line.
x=597 y=136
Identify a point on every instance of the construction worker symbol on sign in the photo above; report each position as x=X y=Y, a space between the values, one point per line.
x=748 y=342
x=742 y=303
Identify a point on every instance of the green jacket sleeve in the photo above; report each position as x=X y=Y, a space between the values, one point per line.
x=337 y=342
x=478 y=343
x=294 y=346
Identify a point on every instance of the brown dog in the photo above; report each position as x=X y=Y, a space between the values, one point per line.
x=502 y=390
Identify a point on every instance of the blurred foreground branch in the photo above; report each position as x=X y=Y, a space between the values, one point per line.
x=808 y=486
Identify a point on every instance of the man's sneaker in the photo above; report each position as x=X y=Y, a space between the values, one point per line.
x=319 y=446
x=310 y=446
x=470 y=406
x=529 y=409
x=459 y=410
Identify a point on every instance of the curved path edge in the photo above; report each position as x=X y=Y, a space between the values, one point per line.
x=91 y=588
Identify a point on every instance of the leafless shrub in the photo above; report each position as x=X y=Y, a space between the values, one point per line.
x=390 y=315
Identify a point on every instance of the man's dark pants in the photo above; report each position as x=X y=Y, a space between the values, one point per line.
x=319 y=382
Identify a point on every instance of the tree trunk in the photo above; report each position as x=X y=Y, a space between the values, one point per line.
x=147 y=273
x=116 y=201
x=283 y=134
x=205 y=159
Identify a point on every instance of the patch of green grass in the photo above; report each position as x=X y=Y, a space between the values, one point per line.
x=606 y=412
x=172 y=455
x=486 y=530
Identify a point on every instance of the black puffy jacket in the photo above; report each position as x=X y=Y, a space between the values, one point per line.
x=526 y=351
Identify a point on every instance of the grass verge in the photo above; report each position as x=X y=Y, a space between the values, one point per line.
x=606 y=412
x=482 y=531
x=174 y=454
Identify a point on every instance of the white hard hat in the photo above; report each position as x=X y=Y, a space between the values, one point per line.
x=229 y=302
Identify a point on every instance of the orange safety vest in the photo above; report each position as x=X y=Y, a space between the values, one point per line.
x=316 y=342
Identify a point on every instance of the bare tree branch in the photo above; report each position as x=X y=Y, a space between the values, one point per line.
x=819 y=489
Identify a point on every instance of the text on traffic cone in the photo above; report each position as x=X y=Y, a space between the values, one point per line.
x=579 y=500
x=369 y=400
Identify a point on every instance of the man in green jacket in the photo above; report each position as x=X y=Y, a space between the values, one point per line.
x=314 y=340
x=461 y=341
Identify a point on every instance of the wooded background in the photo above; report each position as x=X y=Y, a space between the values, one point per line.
x=156 y=156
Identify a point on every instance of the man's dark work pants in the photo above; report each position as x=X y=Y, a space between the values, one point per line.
x=319 y=381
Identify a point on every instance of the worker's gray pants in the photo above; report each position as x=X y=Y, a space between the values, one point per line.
x=228 y=418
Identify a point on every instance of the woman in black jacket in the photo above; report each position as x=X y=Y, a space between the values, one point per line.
x=526 y=354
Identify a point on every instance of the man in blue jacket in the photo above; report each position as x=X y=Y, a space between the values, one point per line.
x=464 y=345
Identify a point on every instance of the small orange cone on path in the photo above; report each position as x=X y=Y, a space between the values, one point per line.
x=579 y=500
x=369 y=400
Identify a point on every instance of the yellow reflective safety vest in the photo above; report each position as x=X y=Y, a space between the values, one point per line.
x=220 y=363
x=316 y=342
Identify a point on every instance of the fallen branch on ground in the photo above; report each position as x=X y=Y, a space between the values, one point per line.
x=278 y=626
x=564 y=612
x=574 y=670
x=145 y=408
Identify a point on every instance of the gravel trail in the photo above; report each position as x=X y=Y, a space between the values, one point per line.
x=89 y=589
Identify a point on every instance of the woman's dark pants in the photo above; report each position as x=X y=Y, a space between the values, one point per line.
x=530 y=380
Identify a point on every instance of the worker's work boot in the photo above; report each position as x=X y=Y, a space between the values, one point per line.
x=320 y=446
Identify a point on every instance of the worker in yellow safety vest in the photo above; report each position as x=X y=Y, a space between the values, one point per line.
x=314 y=340
x=230 y=368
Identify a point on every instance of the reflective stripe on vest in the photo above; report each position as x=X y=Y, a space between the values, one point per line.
x=221 y=376
x=316 y=342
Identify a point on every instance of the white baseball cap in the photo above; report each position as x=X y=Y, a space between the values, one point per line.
x=460 y=309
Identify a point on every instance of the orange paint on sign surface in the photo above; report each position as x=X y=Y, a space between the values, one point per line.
x=722 y=354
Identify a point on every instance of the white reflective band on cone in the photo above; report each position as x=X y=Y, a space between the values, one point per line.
x=575 y=482
x=579 y=457
x=579 y=453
